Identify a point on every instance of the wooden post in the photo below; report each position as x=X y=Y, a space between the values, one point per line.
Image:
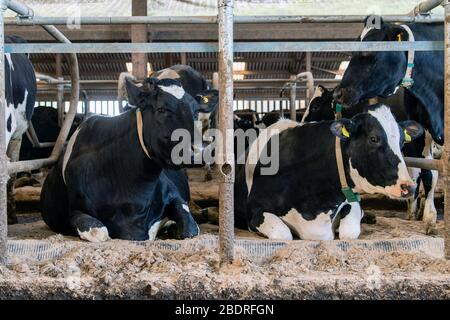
x=226 y=150
x=446 y=155
x=3 y=159
x=139 y=34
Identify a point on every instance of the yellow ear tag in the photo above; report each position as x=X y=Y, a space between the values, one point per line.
x=345 y=133
x=407 y=136
x=205 y=99
x=399 y=37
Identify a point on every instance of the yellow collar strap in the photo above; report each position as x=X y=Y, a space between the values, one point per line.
x=139 y=131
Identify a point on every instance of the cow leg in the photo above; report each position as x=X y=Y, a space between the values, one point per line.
x=185 y=225
x=412 y=210
x=13 y=154
x=350 y=222
x=429 y=210
x=271 y=226
x=88 y=227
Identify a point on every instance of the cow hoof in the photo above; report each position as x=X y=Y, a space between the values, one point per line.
x=95 y=234
x=369 y=218
x=431 y=230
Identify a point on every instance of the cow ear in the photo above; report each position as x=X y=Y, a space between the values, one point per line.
x=411 y=130
x=343 y=128
x=133 y=93
x=208 y=100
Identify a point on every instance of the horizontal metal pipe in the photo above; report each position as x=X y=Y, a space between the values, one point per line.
x=174 y=47
x=425 y=7
x=428 y=164
x=213 y=19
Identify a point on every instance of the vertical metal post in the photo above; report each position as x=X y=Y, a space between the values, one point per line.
x=292 y=100
x=226 y=156
x=308 y=69
x=3 y=160
x=446 y=158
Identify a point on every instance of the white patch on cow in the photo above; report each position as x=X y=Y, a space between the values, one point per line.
x=168 y=74
x=8 y=57
x=319 y=228
x=350 y=225
x=176 y=91
x=274 y=228
x=95 y=234
x=365 y=32
x=390 y=127
x=260 y=126
x=258 y=145
x=204 y=118
x=156 y=226
x=185 y=207
x=68 y=153
x=20 y=118
x=429 y=210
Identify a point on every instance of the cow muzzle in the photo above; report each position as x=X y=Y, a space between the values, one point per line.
x=401 y=190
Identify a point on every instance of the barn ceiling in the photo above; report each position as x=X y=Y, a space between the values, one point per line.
x=258 y=66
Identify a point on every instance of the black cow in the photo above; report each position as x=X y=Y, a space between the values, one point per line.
x=45 y=124
x=110 y=183
x=322 y=108
x=372 y=74
x=20 y=92
x=304 y=195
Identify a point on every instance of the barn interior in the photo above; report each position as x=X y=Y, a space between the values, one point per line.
x=393 y=258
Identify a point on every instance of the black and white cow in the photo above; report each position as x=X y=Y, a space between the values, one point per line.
x=372 y=74
x=106 y=186
x=322 y=108
x=20 y=92
x=305 y=196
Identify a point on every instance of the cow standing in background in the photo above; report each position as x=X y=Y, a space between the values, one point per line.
x=20 y=93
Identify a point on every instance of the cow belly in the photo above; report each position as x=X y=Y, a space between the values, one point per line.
x=319 y=228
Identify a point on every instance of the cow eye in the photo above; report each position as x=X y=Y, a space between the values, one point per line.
x=375 y=139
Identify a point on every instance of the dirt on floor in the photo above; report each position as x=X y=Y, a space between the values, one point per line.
x=291 y=270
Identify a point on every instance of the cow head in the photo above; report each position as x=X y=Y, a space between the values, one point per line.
x=372 y=74
x=165 y=107
x=321 y=106
x=372 y=144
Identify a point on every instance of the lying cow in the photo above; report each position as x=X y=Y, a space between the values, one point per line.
x=305 y=195
x=322 y=108
x=20 y=92
x=117 y=178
